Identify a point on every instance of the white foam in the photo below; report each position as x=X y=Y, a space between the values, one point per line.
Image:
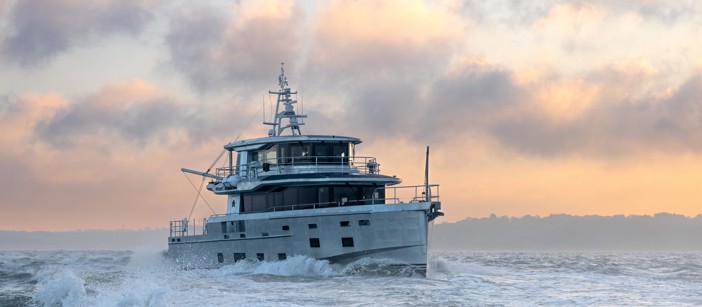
x=377 y=267
x=143 y=296
x=62 y=289
x=293 y=266
x=451 y=267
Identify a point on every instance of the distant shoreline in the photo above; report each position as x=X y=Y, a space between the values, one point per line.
x=149 y=239
x=659 y=232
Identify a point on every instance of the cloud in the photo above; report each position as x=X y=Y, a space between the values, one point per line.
x=383 y=38
x=618 y=110
x=234 y=48
x=92 y=154
x=616 y=121
x=42 y=29
x=132 y=114
x=462 y=101
x=4 y=5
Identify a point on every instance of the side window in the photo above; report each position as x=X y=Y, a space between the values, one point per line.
x=314 y=242
x=239 y=256
x=347 y=242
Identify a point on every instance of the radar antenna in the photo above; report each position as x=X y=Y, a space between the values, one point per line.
x=288 y=110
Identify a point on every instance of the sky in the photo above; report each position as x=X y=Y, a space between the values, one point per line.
x=530 y=107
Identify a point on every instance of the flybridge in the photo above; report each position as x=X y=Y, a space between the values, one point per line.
x=288 y=110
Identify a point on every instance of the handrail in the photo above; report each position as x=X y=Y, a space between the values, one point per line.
x=181 y=228
x=416 y=197
x=394 y=200
x=306 y=164
x=400 y=195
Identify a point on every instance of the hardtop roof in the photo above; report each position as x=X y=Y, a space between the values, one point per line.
x=260 y=142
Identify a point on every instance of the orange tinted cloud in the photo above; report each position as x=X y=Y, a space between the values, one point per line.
x=76 y=170
x=379 y=35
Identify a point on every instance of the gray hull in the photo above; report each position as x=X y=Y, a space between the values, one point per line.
x=398 y=233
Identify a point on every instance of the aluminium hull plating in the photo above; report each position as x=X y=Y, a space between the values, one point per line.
x=398 y=233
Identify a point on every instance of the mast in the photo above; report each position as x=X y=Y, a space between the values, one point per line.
x=288 y=110
x=427 y=190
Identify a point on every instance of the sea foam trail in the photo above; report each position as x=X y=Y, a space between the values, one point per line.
x=292 y=266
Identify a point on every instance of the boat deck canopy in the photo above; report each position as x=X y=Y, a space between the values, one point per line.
x=253 y=144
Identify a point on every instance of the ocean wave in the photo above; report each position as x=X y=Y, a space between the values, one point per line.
x=512 y=279
x=61 y=289
x=292 y=266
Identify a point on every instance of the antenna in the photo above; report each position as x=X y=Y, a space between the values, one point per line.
x=282 y=79
x=284 y=108
x=427 y=190
x=263 y=106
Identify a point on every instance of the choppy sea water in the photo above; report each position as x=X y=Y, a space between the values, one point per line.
x=108 y=278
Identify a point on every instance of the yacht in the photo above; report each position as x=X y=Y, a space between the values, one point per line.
x=291 y=194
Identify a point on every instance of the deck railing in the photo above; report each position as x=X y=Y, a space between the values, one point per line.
x=394 y=196
x=301 y=165
x=411 y=194
x=185 y=227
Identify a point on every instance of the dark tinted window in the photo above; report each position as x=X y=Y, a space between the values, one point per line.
x=290 y=196
x=344 y=223
x=282 y=256
x=323 y=195
x=308 y=195
x=312 y=226
x=220 y=257
x=363 y=222
x=259 y=256
x=239 y=256
x=320 y=150
x=258 y=202
x=286 y=227
x=347 y=242
x=314 y=242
